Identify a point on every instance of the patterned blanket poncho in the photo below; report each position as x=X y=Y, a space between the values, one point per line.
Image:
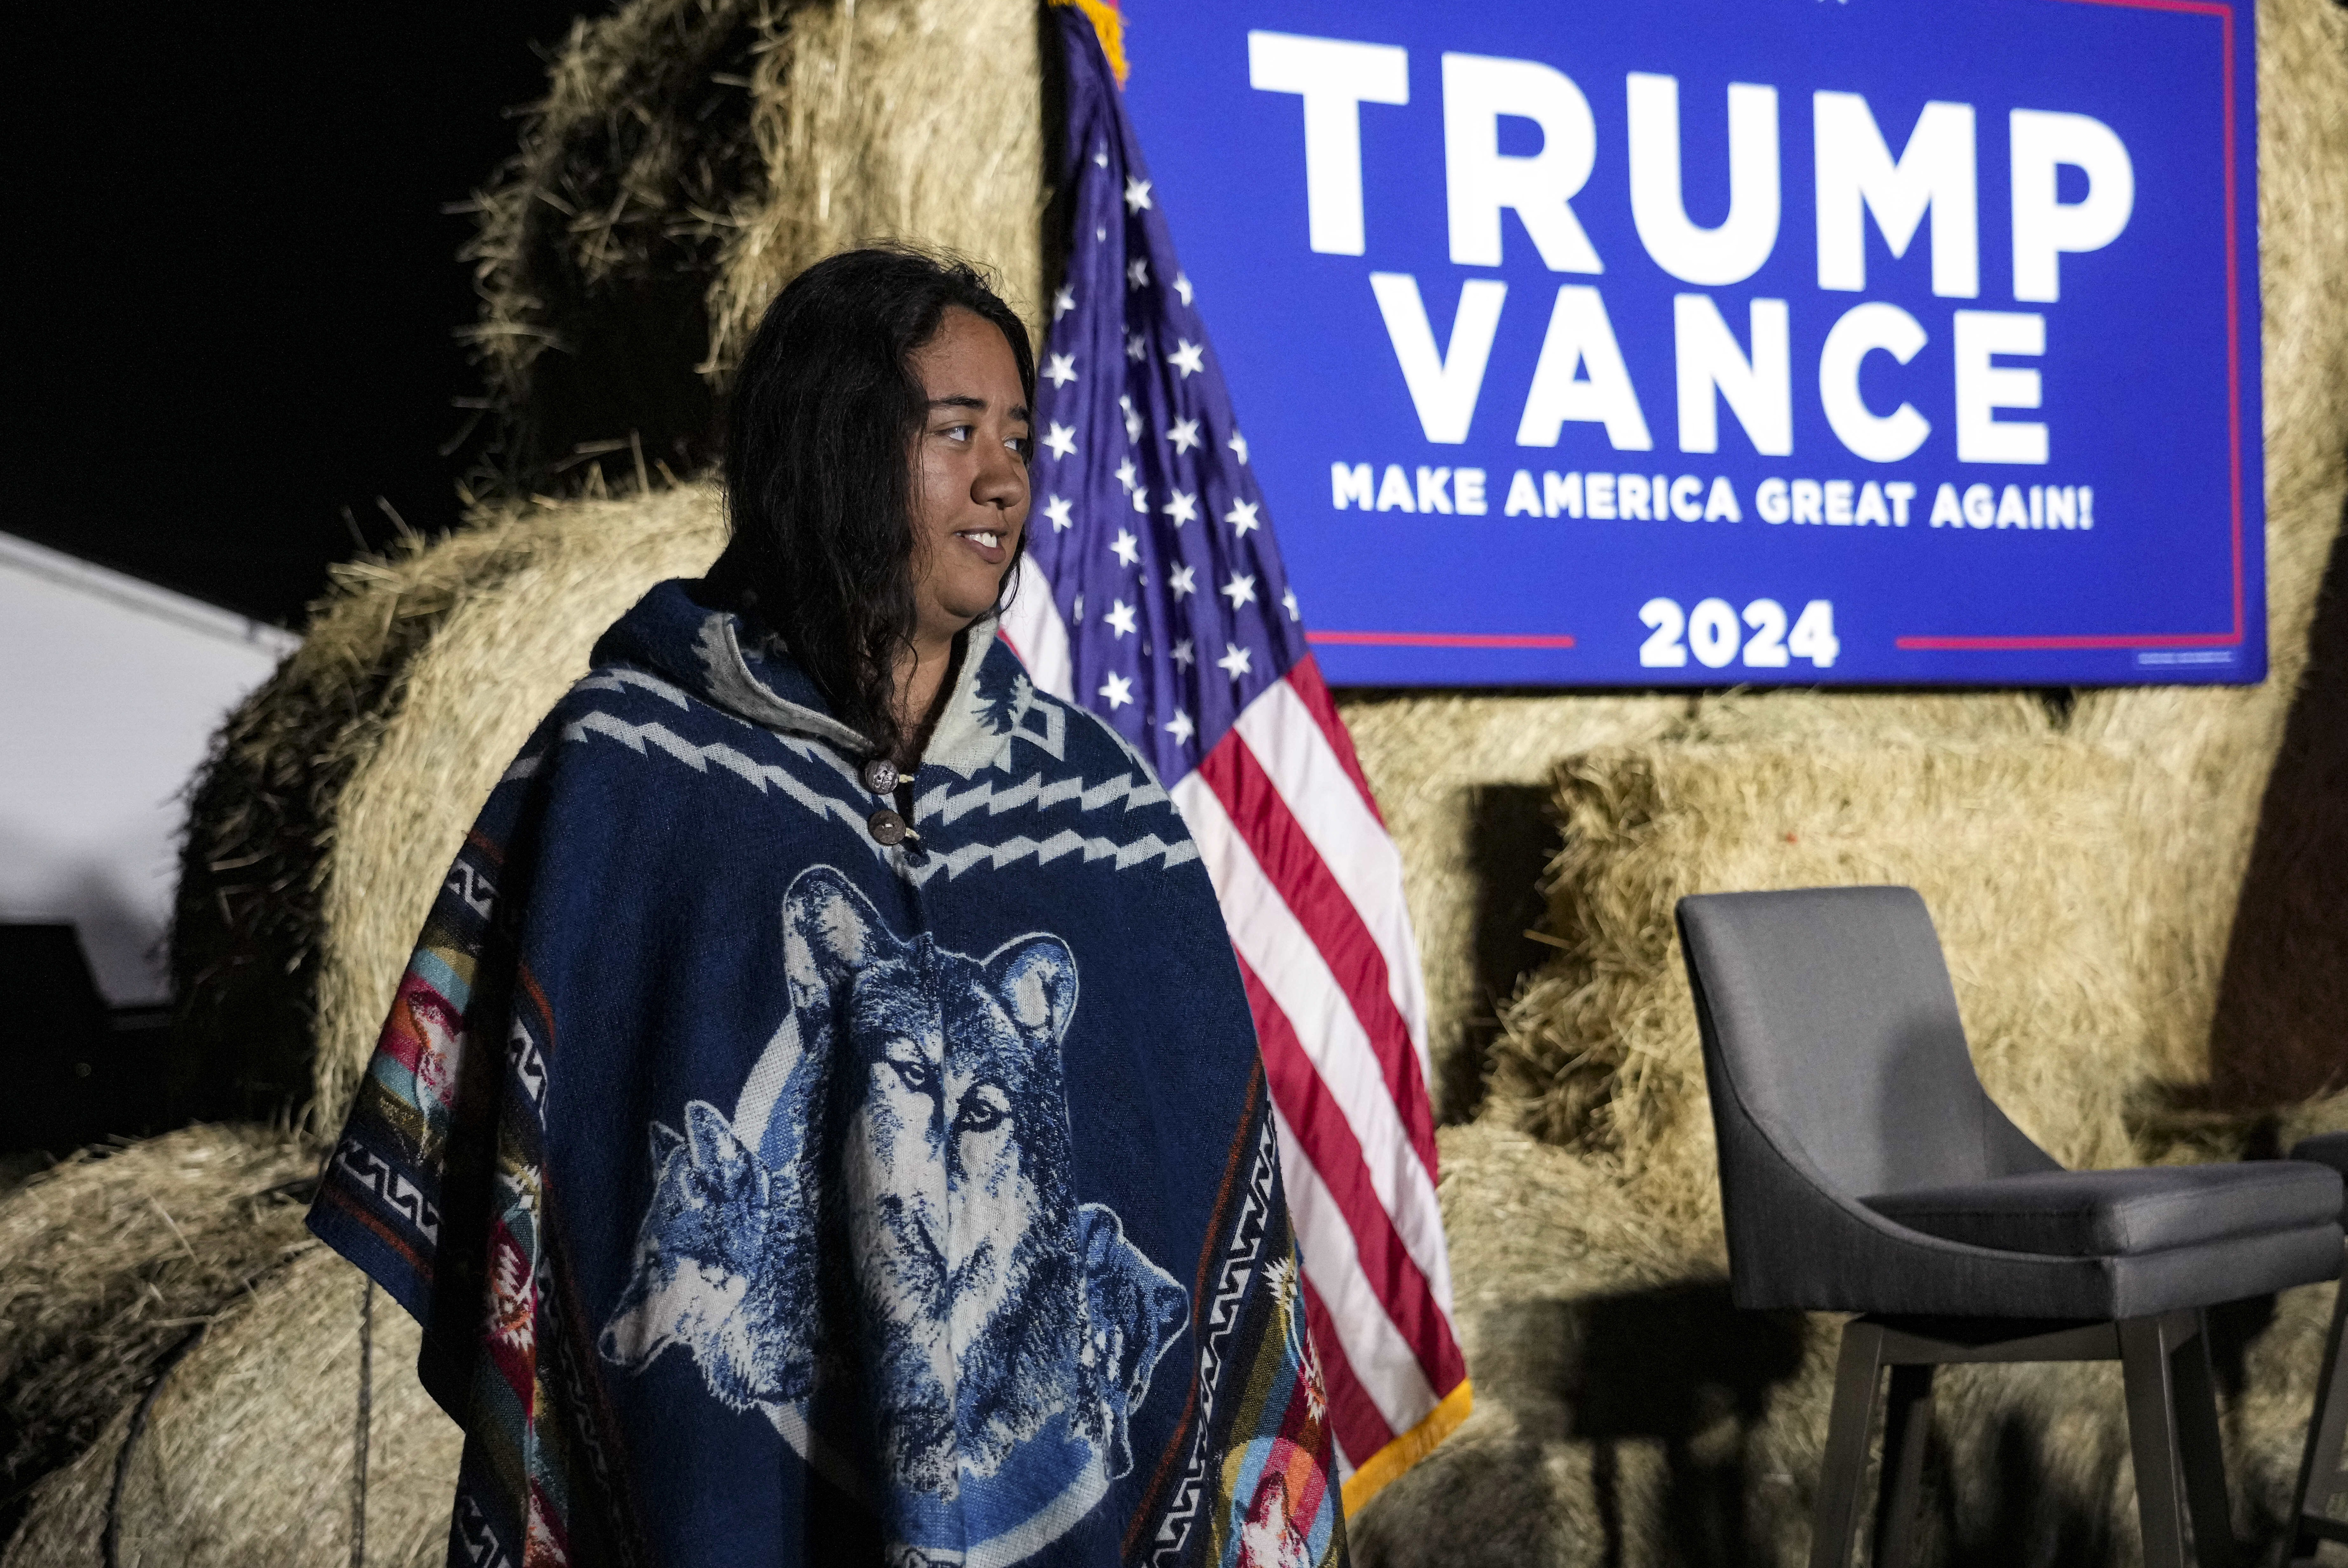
x=770 y=1195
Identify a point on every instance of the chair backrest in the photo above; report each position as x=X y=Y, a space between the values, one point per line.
x=1828 y=1014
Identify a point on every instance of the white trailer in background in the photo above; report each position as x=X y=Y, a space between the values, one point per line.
x=110 y=689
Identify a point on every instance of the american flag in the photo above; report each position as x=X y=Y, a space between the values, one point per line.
x=1153 y=593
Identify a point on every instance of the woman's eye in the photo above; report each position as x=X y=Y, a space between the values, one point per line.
x=956 y=433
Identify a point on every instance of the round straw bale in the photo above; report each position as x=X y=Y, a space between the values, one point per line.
x=246 y=1455
x=506 y=650
x=598 y=239
x=690 y=157
x=262 y=811
x=112 y=1258
x=1461 y=779
x=891 y=120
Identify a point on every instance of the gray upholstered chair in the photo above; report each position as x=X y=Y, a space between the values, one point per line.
x=1863 y=1169
x=2319 y=1509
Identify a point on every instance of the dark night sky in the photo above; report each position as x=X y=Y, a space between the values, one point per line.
x=236 y=288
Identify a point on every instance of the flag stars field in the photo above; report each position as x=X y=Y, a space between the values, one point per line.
x=1127 y=547
x=1062 y=370
x=1239 y=590
x=1061 y=441
x=1187 y=357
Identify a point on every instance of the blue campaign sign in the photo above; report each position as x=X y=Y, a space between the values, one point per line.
x=1733 y=340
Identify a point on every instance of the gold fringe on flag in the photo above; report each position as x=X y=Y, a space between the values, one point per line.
x=1108 y=24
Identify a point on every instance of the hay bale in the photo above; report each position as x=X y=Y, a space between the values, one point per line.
x=2284 y=988
x=110 y=1259
x=246 y=1455
x=2221 y=742
x=253 y=944
x=2024 y=849
x=1463 y=781
x=690 y=157
x=884 y=120
x=263 y=812
x=508 y=646
x=597 y=241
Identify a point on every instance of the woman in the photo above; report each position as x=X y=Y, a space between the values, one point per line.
x=821 y=1122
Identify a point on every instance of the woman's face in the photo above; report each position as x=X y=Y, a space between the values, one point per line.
x=970 y=474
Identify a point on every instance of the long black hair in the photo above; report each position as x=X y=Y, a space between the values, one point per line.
x=820 y=440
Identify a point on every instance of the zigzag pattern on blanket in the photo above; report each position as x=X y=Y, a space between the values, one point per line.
x=995 y=856
x=943 y=804
x=1134 y=790
x=700 y=757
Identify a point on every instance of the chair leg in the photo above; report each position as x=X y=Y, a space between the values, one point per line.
x=2152 y=1439
x=1857 y=1372
x=1907 y=1417
x=2199 y=1447
x=2322 y=1488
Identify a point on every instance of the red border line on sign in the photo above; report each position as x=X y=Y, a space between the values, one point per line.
x=2003 y=644
x=1439 y=639
x=2225 y=14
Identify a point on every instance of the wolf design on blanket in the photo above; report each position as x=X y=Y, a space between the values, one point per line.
x=773 y=1193
x=1009 y=1331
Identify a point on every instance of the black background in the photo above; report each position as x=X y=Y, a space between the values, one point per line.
x=235 y=292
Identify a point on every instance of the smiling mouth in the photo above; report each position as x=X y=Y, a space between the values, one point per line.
x=985 y=540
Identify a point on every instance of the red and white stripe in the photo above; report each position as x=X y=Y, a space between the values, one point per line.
x=1311 y=886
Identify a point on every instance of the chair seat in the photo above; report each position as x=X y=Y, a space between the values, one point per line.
x=2120 y=1213
x=2324 y=1149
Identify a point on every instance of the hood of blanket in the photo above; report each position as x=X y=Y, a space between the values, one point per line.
x=731 y=664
